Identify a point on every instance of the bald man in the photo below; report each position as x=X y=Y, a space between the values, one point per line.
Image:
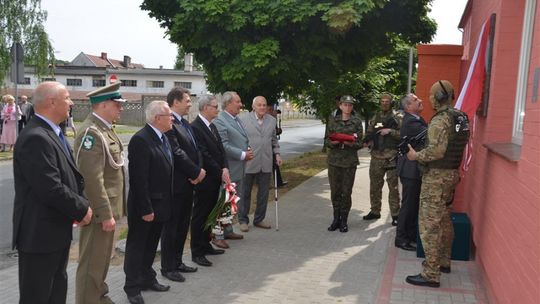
x=48 y=198
x=261 y=132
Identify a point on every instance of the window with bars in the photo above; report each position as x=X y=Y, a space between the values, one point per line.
x=98 y=82
x=155 y=84
x=183 y=84
x=75 y=82
x=128 y=83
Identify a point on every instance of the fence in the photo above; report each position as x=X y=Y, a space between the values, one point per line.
x=133 y=113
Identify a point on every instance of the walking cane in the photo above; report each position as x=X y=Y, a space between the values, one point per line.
x=276 y=197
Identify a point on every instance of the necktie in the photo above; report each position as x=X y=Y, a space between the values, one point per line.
x=188 y=130
x=166 y=147
x=214 y=130
x=64 y=143
x=240 y=125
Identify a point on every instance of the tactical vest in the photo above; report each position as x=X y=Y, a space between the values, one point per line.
x=381 y=143
x=457 y=139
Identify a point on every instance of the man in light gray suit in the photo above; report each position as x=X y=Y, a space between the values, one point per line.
x=235 y=141
x=261 y=131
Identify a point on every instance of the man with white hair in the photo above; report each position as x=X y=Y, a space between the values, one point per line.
x=149 y=199
x=261 y=131
x=207 y=192
x=236 y=144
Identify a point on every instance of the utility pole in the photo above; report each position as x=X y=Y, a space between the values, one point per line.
x=17 y=72
x=409 y=82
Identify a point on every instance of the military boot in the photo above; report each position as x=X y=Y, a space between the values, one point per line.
x=343 y=223
x=335 y=222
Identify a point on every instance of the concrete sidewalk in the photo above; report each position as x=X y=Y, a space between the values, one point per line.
x=303 y=262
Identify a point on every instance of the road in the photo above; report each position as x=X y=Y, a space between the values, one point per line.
x=298 y=137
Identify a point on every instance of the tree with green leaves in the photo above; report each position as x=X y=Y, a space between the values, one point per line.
x=22 y=21
x=259 y=47
x=381 y=75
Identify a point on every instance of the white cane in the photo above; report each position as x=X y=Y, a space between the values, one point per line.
x=276 y=197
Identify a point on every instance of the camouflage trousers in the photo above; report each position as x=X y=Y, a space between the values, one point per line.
x=377 y=169
x=341 y=184
x=434 y=221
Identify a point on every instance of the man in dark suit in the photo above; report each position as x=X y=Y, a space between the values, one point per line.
x=409 y=175
x=149 y=199
x=48 y=199
x=207 y=192
x=187 y=172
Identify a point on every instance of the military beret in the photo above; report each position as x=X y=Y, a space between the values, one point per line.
x=108 y=92
x=346 y=99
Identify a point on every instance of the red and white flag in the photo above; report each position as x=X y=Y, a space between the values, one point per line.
x=470 y=96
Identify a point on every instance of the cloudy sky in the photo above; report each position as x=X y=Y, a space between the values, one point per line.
x=120 y=27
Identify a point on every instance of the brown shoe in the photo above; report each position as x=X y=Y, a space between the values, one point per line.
x=262 y=225
x=220 y=243
x=234 y=236
x=244 y=227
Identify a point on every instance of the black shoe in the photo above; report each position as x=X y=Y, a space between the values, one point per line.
x=441 y=268
x=419 y=280
x=202 y=260
x=343 y=227
x=371 y=216
x=185 y=268
x=173 y=275
x=136 y=299
x=157 y=287
x=283 y=184
x=333 y=226
x=405 y=246
x=335 y=222
x=394 y=220
x=215 y=251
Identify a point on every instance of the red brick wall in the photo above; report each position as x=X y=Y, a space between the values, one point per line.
x=436 y=62
x=501 y=197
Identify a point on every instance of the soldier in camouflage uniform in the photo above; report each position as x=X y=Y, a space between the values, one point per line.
x=98 y=154
x=383 y=133
x=342 y=160
x=448 y=133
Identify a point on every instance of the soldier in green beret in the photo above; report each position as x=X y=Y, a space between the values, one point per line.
x=448 y=133
x=98 y=153
x=344 y=132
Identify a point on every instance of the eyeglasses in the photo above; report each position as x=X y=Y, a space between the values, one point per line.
x=213 y=106
x=169 y=115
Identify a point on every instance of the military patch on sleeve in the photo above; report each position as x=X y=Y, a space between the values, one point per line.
x=88 y=142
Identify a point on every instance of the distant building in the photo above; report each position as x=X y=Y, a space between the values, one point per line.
x=87 y=72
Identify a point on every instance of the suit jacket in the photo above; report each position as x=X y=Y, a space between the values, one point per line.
x=410 y=127
x=235 y=141
x=104 y=183
x=213 y=154
x=48 y=191
x=263 y=141
x=186 y=157
x=150 y=176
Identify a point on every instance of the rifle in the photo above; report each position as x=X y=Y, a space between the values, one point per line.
x=388 y=123
x=403 y=146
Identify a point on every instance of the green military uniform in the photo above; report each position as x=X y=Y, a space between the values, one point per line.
x=383 y=154
x=342 y=162
x=98 y=154
x=441 y=158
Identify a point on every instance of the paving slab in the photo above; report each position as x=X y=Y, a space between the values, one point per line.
x=303 y=262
